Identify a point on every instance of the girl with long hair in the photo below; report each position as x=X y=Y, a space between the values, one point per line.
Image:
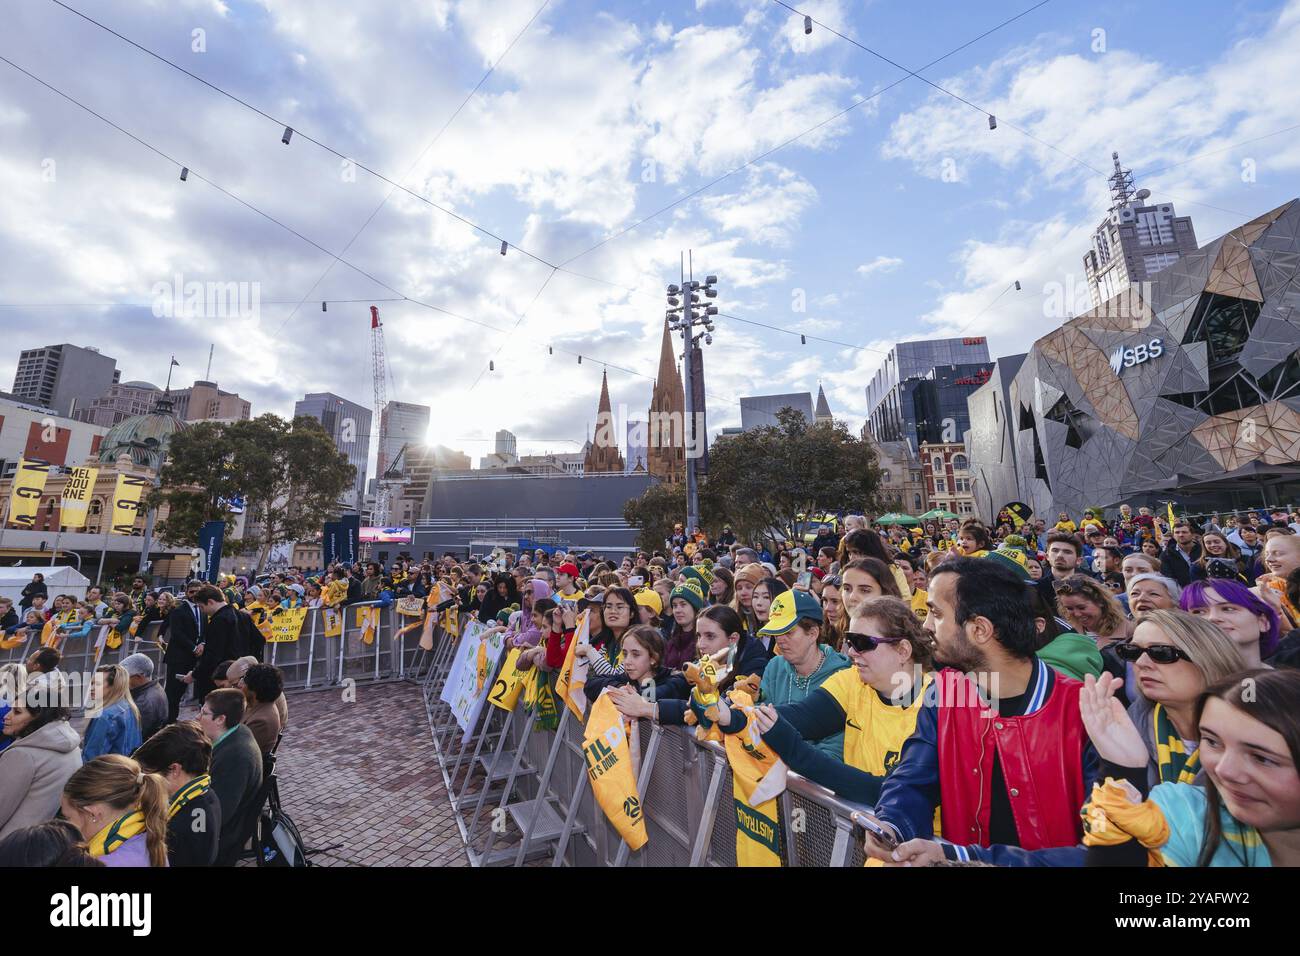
x=1245 y=619
x=120 y=810
x=115 y=728
x=1245 y=809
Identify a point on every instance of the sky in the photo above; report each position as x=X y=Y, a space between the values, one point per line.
x=605 y=139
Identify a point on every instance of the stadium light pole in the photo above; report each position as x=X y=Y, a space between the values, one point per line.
x=688 y=307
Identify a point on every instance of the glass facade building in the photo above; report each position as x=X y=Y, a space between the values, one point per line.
x=919 y=393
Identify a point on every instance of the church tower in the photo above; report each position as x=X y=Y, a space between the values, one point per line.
x=665 y=432
x=603 y=456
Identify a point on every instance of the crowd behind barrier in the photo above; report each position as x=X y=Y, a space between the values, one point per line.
x=495 y=772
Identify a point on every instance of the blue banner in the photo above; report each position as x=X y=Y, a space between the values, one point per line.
x=211 y=537
x=349 y=538
x=329 y=544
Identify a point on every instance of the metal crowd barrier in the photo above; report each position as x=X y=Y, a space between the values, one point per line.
x=521 y=794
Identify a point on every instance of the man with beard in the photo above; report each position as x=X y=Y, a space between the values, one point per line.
x=999 y=747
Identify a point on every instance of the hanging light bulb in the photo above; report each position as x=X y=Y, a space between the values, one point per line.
x=993 y=121
x=322 y=307
x=549 y=350
x=803 y=340
x=185 y=173
x=492 y=366
x=807 y=25
x=579 y=359
x=504 y=246
x=1017 y=285
x=287 y=134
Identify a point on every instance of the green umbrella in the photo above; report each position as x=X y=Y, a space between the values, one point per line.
x=938 y=513
x=895 y=517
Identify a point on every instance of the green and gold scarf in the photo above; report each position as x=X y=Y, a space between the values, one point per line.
x=1176 y=765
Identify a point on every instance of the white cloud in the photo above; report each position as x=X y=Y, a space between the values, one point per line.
x=880 y=264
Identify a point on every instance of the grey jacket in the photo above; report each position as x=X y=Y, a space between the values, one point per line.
x=151 y=700
x=33 y=770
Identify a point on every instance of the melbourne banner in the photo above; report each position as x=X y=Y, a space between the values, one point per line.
x=330 y=543
x=126 y=502
x=608 y=755
x=76 y=497
x=472 y=669
x=349 y=535
x=29 y=482
x=211 y=537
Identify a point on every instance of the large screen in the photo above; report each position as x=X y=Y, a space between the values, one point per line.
x=386 y=535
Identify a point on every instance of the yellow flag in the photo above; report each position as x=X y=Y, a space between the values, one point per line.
x=25 y=500
x=368 y=621
x=758 y=777
x=285 y=627
x=609 y=768
x=1169 y=507
x=76 y=497
x=509 y=683
x=126 y=502
x=573 y=673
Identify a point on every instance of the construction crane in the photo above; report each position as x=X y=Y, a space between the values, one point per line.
x=379 y=362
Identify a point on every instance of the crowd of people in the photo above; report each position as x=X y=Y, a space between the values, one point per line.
x=1117 y=690
x=1111 y=691
x=108 y=774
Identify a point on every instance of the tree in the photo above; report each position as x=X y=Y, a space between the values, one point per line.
x=761 y=480
x=655 y=512
x=289 y=473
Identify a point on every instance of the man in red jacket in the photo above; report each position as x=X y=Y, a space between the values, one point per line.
x=999 y=747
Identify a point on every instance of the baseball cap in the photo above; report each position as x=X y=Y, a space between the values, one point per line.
x=788 y=609
x=569 y=568
x=650 y=598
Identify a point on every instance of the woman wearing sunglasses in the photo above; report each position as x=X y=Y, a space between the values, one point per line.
x=874 y=702
x=1245 y=811
x=1174 y=657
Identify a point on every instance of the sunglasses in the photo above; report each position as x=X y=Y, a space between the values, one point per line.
x=1159 y=653
x=864 y=643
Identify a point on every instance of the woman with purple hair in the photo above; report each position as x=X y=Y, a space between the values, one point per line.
x=1247 y=621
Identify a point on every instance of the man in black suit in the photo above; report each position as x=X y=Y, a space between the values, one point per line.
x=236 y=769
x=184 y=636
x=222 y=638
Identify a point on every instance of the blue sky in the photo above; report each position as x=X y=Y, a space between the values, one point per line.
x=598 y=116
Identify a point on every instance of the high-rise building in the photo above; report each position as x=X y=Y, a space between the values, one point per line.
x=121 y=401
x=203 y=401
x=64 y=378
x=504 y=453
x=666 y=434
x=348 y=424
x=759 y=410
x=603 y=457
x=1135 y=240
x=401 y=424
x=919 y=393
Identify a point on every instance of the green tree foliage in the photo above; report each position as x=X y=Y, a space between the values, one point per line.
x=289 y=473
x=759 y=481
x=655 y=513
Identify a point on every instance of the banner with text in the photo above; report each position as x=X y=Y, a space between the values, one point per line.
x=76 y=498
x=25 y=500
x=472 y=668
x=211 y=538
x=126 y=502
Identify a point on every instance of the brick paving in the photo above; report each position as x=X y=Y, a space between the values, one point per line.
x=365 y=775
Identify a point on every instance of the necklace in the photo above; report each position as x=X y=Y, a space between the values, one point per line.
x=802 y=682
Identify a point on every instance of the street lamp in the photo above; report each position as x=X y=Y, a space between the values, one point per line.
x=683 y=316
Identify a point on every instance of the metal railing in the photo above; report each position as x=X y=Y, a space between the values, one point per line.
x=521 y=794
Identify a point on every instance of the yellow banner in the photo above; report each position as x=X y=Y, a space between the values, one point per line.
x=25 y=500
x=286 y=626
x=368 y=621
x=126 y=502
x=758 y=777
x=76 y=497
x=333 y=618
x=410 y=606
x=509 y=683
x=573 y=674
x=609 y=768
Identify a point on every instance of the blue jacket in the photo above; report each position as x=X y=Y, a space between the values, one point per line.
x=115 y=731
x=910 y=794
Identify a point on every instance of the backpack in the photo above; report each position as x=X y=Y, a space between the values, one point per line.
x=278 y=841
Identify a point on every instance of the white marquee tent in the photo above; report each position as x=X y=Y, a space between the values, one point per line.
x=58 y=580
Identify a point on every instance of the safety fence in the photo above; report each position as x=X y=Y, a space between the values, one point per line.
x=521 y=793
x=313 y=661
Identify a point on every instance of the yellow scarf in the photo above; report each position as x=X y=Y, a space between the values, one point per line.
x=195 y=788
x=1116 y=814
x=116 y=833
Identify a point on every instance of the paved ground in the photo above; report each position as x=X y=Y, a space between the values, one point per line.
x=365 y=775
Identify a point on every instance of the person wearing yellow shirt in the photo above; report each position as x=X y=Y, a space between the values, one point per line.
x=1066 y=524
x=875 y=703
